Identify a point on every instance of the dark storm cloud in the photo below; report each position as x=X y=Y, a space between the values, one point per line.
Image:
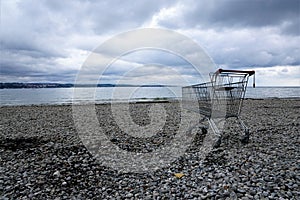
x=35 y=33
x=237 y=13
x=119 y=15
x=24 y=69
x=49 y=40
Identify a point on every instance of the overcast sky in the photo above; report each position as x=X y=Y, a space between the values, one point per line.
x=48 y=41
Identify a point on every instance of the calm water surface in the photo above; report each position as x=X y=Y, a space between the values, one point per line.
x=106 y=94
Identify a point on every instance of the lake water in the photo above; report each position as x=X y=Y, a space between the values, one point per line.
x=107 y=94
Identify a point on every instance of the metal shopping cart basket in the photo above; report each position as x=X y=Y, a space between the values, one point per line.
x=219 y=99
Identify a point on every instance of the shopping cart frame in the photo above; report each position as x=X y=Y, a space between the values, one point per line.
x=219 y=99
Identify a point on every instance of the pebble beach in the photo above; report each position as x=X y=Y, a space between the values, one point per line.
x=42 y=157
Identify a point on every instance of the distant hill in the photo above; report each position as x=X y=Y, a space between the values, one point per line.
x=35 y=85
x=65 y=85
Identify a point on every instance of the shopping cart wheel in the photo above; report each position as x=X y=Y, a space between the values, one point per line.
x=245 y=139
x=204 y=130
x=218 y=143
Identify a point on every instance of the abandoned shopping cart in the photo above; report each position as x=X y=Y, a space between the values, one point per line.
x=219 y=99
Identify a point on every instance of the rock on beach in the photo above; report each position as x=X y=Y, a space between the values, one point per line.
x=42 y=157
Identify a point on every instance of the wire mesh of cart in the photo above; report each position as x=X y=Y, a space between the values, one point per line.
x=221 y=98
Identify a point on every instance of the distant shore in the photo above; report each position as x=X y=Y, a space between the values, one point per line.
x=42 y=156
x=69 y=85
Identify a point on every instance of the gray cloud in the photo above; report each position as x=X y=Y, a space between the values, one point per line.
x=236 y=13
x=49 y=40
x=35 y=33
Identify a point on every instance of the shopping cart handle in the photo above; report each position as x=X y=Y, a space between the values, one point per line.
x=250 y=73
x=235 y=71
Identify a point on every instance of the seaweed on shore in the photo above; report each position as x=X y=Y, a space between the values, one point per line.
x=21 y=143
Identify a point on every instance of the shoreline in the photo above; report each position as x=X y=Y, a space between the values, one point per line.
x=150 y=100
